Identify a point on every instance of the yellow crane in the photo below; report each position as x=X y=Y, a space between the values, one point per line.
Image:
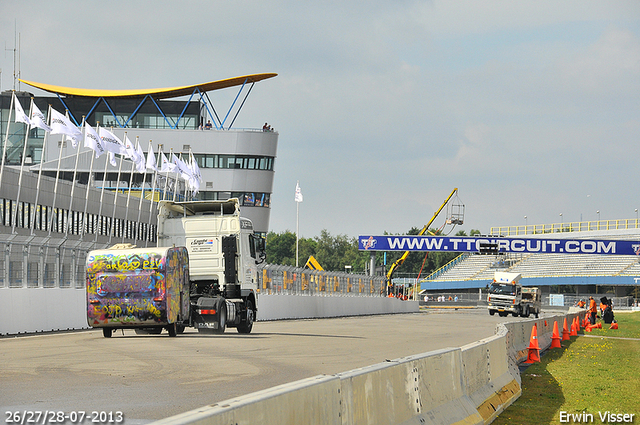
x=454 y=218
x=313 y=264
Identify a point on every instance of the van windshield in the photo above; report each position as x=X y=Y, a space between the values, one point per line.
x=502 y=288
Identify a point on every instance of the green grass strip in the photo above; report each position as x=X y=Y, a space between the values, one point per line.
x=594 y=373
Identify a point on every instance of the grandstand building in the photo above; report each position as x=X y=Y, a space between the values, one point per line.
x=575 y=276
x=59 y=202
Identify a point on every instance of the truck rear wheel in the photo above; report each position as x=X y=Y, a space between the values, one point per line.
x=222 y=317
x=526 y=312
x=246 y=325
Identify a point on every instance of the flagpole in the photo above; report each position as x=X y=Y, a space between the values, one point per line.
x=85 y=222
x=104 y=181
x=115 y=196
x=42 y=156
x=153 y=196
x=24 y=154
x=55 y=187
x=133 y=165
x=73 y=185
x=6 y=139
x=297 y=223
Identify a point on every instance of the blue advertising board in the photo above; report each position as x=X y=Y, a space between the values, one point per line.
x=512 y=245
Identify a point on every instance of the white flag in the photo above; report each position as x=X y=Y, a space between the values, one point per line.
x=298 y=193
x=141 y=165
x=165 y=165
x=37 y=118
x=20 y=115
x=195 y=169
x=92 y=140
x=151 y=159
x=111 y=143
x=182 y=168
x=130 y=150
x=61 y=125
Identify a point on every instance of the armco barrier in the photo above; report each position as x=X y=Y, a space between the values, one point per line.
x=468 y=385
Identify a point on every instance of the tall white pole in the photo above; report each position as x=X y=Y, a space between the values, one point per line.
x=73 y=185
x=24 y=155
x=153 y=197
x=85 y=222
x=297 y=230
x=55 y=187
x=42 y=157
x=104 y=182
x=6 y=141
x=133 y=166
x=115 y=196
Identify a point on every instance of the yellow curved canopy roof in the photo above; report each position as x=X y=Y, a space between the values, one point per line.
x=156 y=93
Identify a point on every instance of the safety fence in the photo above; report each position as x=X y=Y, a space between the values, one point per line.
x=278 y=279
x=39 y=263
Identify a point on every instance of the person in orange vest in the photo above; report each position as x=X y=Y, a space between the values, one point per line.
x=593 y=311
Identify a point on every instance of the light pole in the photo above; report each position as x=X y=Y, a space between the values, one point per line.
x=562 y=220
x=598 y=212
x=525 y=224
x=636 y=217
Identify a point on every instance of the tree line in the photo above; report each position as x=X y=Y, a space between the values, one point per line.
x=335 y=252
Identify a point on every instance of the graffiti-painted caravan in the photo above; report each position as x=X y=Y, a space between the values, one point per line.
x=146 y=289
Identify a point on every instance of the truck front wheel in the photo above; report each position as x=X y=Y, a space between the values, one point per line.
x=492 y=312
x=246 y=325
x=106 y=332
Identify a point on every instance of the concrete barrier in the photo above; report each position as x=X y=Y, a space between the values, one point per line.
x=25 y=310
x=284 y=306
x=313 y=401
x=427 y=389
x=28 y=310
x=468 y=385
x=492 y=385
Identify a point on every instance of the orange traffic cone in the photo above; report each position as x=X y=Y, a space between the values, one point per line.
x=580 y=325
x=585 y=322
x=614 y=325
x=574 y=331
x=565 y=331
x=534 y=348
x=555 y=338
x=588 y=328
x=598 y=325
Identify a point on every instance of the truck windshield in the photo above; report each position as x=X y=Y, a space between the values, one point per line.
x=504 y=289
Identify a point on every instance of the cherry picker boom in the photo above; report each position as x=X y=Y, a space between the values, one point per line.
x=454 y=218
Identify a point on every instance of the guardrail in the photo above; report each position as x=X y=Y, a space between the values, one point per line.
x=277 y=279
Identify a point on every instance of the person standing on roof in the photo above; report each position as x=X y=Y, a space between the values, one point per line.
x=593 y=311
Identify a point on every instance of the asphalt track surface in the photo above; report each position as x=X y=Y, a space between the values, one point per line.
x=149 y=377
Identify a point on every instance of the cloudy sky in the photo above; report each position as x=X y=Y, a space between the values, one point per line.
x=529 y=108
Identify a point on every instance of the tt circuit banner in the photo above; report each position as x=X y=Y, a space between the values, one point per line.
x=494 y=245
